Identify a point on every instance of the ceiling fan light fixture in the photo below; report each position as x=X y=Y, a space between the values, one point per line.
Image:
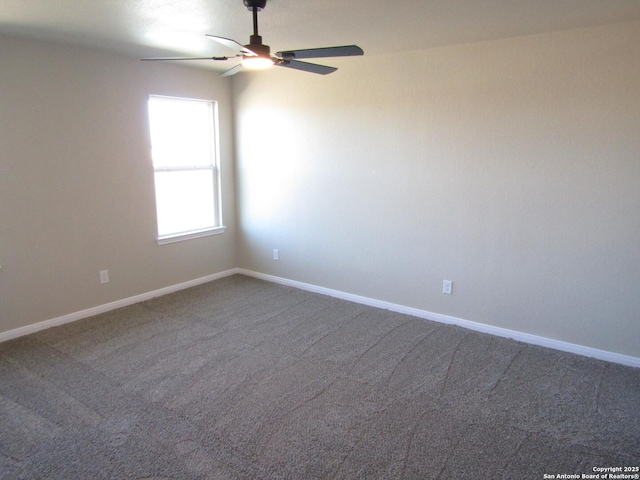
x=257 y=63
x=261 y=55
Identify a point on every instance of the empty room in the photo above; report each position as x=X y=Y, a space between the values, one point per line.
x=408 y=247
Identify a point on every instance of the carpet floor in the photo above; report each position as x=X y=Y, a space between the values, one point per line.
x=245 y=379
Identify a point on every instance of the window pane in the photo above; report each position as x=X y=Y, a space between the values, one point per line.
x=181 y=132
x=185 y=201
x=184 y=158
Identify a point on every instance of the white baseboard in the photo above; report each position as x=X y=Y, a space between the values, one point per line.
x=437 y=317
x=72 y=317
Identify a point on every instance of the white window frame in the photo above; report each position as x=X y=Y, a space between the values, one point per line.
x=213 y=166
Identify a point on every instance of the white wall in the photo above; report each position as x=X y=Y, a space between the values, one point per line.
x=511 y=167
x=76 y=181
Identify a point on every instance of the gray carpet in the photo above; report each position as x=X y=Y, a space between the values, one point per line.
x=241 y=378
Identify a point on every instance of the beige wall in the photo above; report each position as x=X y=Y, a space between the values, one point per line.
x=511 y=167
x=76 y=181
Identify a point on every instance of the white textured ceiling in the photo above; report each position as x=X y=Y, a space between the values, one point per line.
x=177 y=27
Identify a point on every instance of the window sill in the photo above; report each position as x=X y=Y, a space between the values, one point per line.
x=180 y=237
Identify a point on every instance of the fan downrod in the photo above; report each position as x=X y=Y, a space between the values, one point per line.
x=257 y=4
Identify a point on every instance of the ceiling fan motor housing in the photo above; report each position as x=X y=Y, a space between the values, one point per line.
x=258 y=47
x=259 y=4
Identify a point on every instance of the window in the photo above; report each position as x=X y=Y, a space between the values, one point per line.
x=184 y=152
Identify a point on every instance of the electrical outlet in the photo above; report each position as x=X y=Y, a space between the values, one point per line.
x=104 y=276
x=276 y=254
x=447 y=287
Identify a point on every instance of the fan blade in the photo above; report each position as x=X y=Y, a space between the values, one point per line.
x=231 y=71
x=233 y=45
x=306 y=66
x=344 y=51
x=168 y=59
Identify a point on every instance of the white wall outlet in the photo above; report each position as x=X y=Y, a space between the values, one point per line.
x=276 y=254
x=104 y=276
x=447 y=287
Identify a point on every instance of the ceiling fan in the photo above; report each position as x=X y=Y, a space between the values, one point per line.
x=257 y=55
